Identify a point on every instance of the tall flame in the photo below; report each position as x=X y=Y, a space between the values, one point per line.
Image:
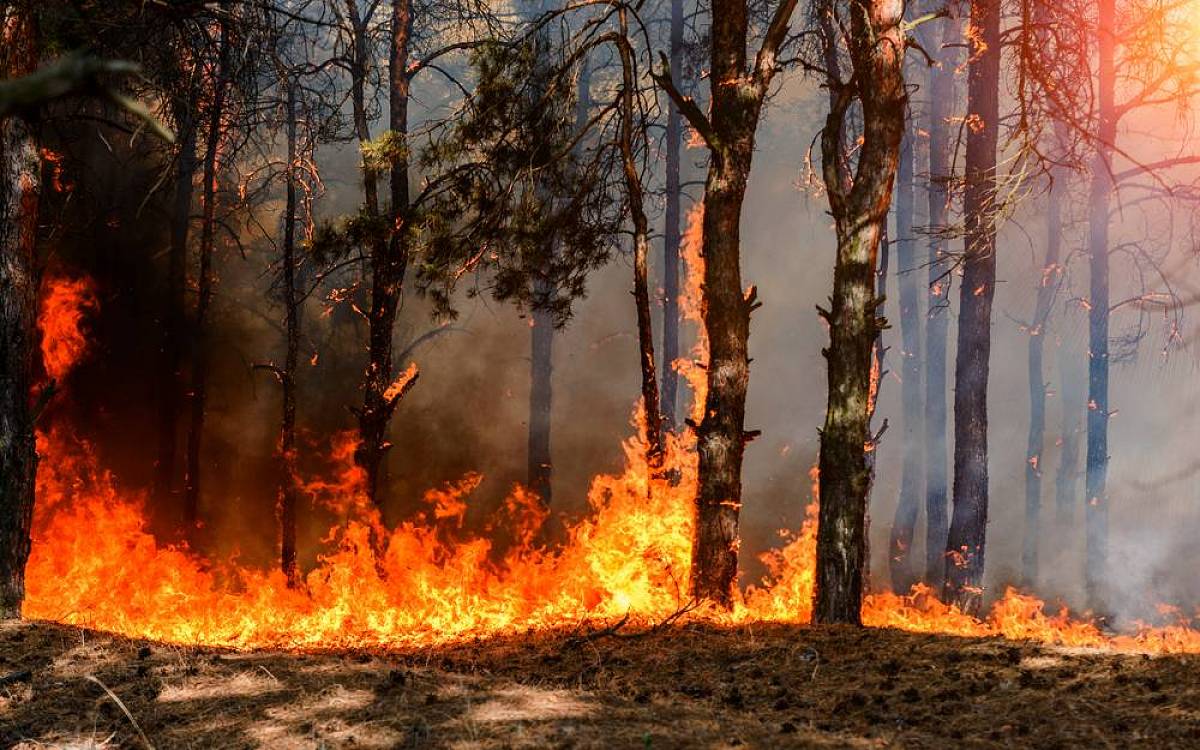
x=65 y=305
x=428 y=580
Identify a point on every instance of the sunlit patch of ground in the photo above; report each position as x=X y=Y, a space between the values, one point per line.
x=688 y=686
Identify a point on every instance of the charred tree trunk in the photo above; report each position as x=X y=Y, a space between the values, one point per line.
x=721 y=436
x=729 y=132
x=942 y=97
x=651 y=412
x=360 y=62
x=371 y=428
x=205 y=287
x=1047 y=288
x=965 y=545
x=389 y=263
x=539 y=456
x=908 y=507
x=170 y=393
x=541 y=400
x=288 y=487
x=672 y=233
x=20 y=183
x=1098 y=315
x=859 y=205
x=878 y=367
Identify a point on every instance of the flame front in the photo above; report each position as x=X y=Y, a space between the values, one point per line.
x=95 y=564
x=427 y=581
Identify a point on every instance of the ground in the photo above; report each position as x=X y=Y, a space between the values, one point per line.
x=686 y=686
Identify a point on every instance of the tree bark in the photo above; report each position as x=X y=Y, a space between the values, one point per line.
x=651 y=413
x=389 y=263
x=541 y=400
x=672 y=233
x=288 y=483
x=860 y=206
x=736 y=102
x=912 y=470
x=942 y=97
x=206 y=282
x=170 y=395
x=539 y=456
x=1095 y=490
x=965 y=545
x=20 y=186
x=360 y=61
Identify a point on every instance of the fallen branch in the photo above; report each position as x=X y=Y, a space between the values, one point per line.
x=614 y=629
x=580 y=640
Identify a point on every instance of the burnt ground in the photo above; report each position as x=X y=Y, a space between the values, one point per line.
x=688 y=686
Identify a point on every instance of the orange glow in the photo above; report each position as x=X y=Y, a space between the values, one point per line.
x=691 y=310
x=429 y=580
x=65 y=304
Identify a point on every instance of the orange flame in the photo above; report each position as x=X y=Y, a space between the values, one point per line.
x=426 y=581
x=65 y=305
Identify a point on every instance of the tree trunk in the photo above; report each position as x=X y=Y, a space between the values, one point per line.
x=1047 y=288
x=651 y=414
x=540 y=465
x=20 y=186
x=170 y=395
x=541 y=398
x=288 y=483
x=371 y=429
x=360 y=61
x=908 y=507
x=965 y=545
x=389 y=263
x=942 y=97
x=729 y=129
x=672 y=234
x=205 y=287
x=721 y=440
x=878 y=369
x=860 y=206
x=1098 y=315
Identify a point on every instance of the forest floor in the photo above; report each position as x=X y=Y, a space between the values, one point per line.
x=686 y=686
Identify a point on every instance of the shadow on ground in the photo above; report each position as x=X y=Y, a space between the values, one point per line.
x=689 y=686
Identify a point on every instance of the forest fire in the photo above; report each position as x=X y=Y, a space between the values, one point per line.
x=602 y=374
x=95 y=564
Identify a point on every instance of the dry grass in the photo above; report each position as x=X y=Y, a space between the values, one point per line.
x=686 y=686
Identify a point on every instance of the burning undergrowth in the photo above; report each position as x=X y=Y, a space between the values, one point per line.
x=428 y=580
